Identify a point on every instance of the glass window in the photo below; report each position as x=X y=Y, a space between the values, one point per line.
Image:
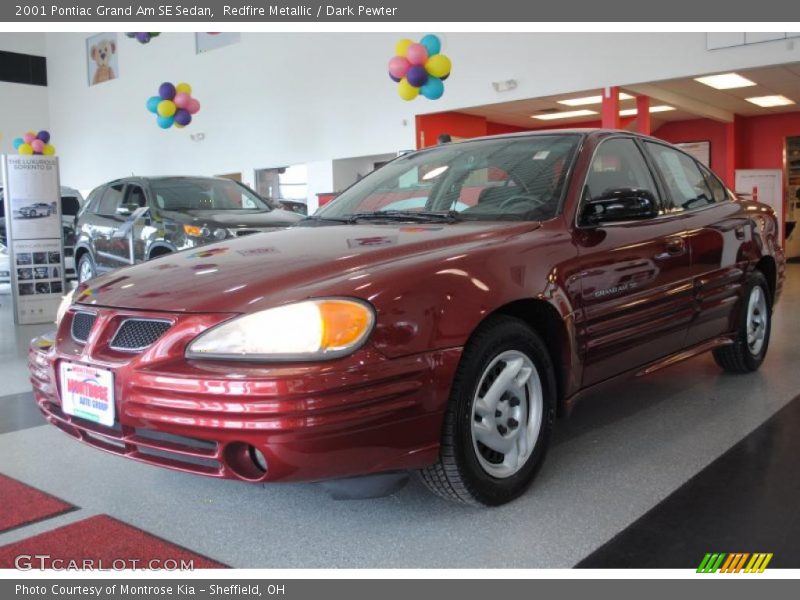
x=111 y=200
x=717 y=188
x=687 y=186
x=135 y=195
x=618 y=164
x=196 y=193
x=507 y=178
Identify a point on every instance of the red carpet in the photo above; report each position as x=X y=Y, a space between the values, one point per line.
x=21 y=504
x=107 y=543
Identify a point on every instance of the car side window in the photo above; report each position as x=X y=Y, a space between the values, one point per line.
x=135 y=195
x=111 y=200
x=91 y=202
x=687 y=186
x=715 y=185
x=618 y=164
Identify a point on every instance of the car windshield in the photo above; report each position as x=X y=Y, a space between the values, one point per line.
x=505 y=178
x=186 y=193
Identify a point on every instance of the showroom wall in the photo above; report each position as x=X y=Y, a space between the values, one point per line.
x=282 y=99
x=22 y=107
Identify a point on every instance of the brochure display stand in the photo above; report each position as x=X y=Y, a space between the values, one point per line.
x=35 y=240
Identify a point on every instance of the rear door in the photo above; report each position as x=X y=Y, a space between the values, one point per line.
x=104 y=222
x=716 y=230
x=636 y=281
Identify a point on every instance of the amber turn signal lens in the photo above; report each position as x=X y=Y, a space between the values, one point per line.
x=193 y=230
x=344 y=323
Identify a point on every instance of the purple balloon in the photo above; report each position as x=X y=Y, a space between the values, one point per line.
x=183 y=117
x=166 y=90
x=393 y=78
x=43 y=135
x=143 y=37
x=417 y=75
x=131 y=34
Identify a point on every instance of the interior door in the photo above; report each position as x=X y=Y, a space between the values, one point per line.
x=636 y=281
x=717 y=229
x=105 y=221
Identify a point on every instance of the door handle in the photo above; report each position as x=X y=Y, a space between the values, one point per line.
x=675 y=246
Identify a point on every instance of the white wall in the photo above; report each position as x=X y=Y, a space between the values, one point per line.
x=279 y=99
x=347 y=171
x=22 y=107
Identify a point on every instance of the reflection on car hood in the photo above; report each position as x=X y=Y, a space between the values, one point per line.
x=255 y=272
x=235 y=218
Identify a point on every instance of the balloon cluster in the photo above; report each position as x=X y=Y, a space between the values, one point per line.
x=419 y=68
x=143 y=37
x=174 y=105
x=35 y=143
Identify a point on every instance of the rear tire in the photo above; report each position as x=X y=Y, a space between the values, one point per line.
x=747 y=353
x=86 y=268
x=499 y=417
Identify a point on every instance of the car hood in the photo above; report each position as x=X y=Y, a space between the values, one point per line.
x=236 y=219
x=254 y=272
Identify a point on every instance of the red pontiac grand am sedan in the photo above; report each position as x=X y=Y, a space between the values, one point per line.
x=435 y=317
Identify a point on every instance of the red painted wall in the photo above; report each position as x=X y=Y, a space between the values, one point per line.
x=698 y=130
x=429 y=127
x=761 y=140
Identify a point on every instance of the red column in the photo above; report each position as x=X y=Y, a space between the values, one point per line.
x=729 y=173
x=643 y=114
x=610 y=108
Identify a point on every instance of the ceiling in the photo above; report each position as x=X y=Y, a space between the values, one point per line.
x=690 y=98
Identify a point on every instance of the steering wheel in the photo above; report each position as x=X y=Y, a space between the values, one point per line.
x=535 y=200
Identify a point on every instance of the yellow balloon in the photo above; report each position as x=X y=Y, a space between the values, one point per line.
x=49 y=150
x=184 y=88
x=406 y=90
x=178 y=126
x=438 y=65
x=401 y=47
x=25 y=149
x=166 y=108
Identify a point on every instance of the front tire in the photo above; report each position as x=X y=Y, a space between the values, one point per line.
x=747 y=353
x=499 y=417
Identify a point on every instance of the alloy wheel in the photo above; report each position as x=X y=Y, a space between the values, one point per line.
x=757 y=320
x=507 y=413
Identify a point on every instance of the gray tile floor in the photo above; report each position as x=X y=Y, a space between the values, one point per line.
x=621 y=453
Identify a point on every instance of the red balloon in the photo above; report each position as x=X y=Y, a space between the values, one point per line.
x=417 y=54
x=398 y=66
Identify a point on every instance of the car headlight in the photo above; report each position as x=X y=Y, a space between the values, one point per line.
x=310 y=330
x=66 y=302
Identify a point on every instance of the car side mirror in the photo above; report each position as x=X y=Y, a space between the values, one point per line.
x=126 y=210
x=623 y=204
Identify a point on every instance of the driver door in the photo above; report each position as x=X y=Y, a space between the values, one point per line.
x=636 y=294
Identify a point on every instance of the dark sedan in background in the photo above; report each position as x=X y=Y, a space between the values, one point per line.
x=135 y=219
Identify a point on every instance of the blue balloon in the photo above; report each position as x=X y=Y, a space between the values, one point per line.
x=152 y=104
x=165 y=122
x=18 y=142
x=433 y=88
x=432 y=43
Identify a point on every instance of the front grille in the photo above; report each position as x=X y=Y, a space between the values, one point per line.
x=242 y=232
x=82 y=323
x=138 y=334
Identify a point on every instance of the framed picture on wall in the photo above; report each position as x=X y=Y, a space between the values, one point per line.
x=101 y=58
x=211 y=41
x=700 y=150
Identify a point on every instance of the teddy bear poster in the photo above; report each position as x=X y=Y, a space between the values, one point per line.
x=102 y=58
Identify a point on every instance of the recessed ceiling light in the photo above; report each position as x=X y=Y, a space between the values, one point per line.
x=768 y=101
x=590 y=100
x=725 y=81
x=565 y=115
x=629 y=112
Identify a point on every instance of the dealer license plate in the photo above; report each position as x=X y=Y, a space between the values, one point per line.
x=87 y=393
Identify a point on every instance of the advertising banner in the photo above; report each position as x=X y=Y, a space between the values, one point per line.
x=35 y=241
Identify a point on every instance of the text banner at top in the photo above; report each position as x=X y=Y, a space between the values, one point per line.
x=399 y=11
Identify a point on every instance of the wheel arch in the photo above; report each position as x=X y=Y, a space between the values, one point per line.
x=768 y=267
x=546 y=320
x=159 y=249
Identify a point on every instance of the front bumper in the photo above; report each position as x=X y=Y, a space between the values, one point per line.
x=358 y=415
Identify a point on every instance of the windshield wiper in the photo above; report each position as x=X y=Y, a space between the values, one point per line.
x=416 y=216
x=318 y=220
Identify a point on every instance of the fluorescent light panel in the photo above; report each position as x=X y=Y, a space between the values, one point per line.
x=569 y=114
x=590 y=100
x=630 y=112
x=770 y=101
x=725 y=81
